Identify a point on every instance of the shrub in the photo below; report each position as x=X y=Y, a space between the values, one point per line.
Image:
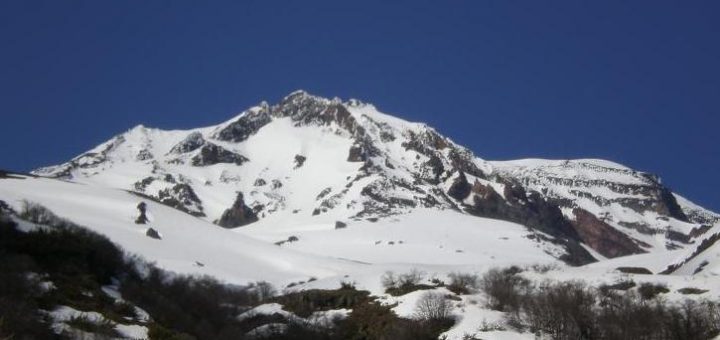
x=692 y=291
x=433 y=306
x=264 y=290
x=649 y=291
x=304 y=303
x=504 y=288
x=102 y=327
x=404 y=283
x=623 y=285
x=463 y=283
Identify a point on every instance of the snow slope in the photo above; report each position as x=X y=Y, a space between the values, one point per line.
x=186 y=240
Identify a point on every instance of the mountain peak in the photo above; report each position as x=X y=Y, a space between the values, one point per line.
x=322 y=160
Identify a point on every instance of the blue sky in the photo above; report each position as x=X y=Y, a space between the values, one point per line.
x=637 y=82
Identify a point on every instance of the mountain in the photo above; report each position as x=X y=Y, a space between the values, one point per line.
x=311 y=194
x=309 y=160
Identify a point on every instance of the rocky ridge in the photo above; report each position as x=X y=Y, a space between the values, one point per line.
x=328 y=159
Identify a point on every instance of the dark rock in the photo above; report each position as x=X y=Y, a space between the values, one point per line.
x=144 y=155
x=142 y=184
x=276 y=184
x=238 y=215
x=191 y=143
x=299 y=161
x=142 y=218
x=356 y=154
x=340 y=225
x=460 y=189
x=182 y=197
x=245 y=126
x=213 y=154
x=152 y=233
x=259 y=182
x=634 y=270
x=704 y=245
x=600 y=236
x=436 y=167
x=534 y=212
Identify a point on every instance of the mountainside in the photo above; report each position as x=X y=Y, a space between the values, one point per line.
x=314 y=161
x=360 y=220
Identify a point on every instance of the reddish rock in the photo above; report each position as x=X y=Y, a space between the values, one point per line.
x=601 y=237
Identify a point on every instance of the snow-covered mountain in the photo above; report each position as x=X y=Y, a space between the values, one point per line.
x=314 y=161
x=312 y=192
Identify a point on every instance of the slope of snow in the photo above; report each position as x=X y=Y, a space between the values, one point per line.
x=424 y=236
x=189 y=245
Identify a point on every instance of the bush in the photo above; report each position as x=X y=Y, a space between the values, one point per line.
x=404 y=283
x=620 y=285
x=433 y=306
x=264 y=290
x=104 y=327
x=504 y=288
x=649 y=291
x=463 y=283
x=691 y=291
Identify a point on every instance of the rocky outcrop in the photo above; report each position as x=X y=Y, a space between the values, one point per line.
x=533 y=211
x=181 y=196
x=211 y=154
x=238 y=215
x=247 y=125
x=460 y=188
x=601 y=237
x=299 y=161
x=191 y=143
x=142 y=217
x=152 y=233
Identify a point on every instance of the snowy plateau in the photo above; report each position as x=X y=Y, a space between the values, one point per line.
x=312 y=192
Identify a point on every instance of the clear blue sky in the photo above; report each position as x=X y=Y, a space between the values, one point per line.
x=637 y=82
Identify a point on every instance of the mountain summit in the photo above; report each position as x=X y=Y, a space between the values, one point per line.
x=316 y=160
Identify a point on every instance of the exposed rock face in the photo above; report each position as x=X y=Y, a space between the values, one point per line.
x=399 y=166
x=631 y=202
x=600 y=236
x=182 y=197
x=211 y=154
x=152 y=233
x=238 y=215
x=299 y=161
x=142 y=218
x=144 y=155
x=460 y=189
x=191 y=143
x=532 y=211
x=356 y=154
x=245 y=126
x=703 y=246
x=340 y=225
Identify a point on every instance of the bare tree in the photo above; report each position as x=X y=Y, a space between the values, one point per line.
x=433 y=306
